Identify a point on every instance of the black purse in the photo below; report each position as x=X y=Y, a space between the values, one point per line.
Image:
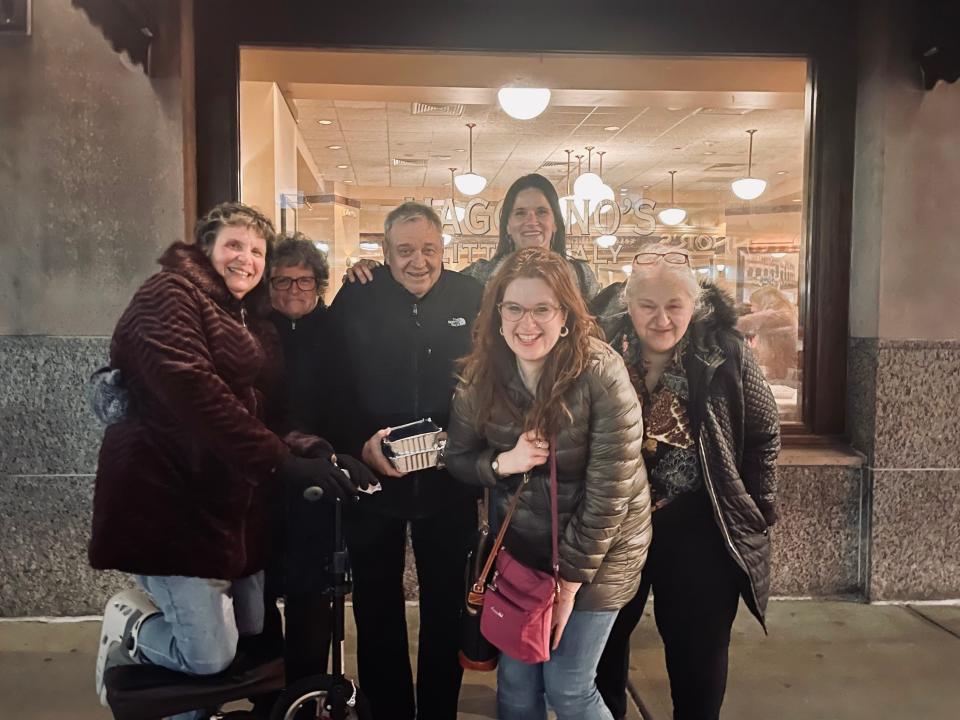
x=476 y=653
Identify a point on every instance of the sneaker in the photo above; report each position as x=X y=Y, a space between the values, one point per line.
x=124 y=614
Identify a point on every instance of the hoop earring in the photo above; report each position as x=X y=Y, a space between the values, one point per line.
x=564 y=331
x=501 y=329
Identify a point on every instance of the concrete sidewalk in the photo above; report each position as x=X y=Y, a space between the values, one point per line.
x=822 y=660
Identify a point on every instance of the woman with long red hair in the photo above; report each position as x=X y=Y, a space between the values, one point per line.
x=541 y=385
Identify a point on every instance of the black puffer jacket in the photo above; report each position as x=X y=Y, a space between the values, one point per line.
x=737 y=426
x=603 y=498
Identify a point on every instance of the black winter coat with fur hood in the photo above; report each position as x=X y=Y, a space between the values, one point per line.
x=736 y=423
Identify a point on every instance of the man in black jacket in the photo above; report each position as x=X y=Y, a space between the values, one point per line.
x=398 y=339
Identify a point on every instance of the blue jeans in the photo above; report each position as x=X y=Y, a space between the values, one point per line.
x=201 y=622
x=566 y=681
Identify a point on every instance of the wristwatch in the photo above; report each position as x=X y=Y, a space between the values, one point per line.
x=495 y=464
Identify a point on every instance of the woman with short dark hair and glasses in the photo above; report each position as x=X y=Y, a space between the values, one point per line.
x=711 y=436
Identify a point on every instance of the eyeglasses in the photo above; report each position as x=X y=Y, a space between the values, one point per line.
x=305 y=283
x=674 y=258
x=512 y=312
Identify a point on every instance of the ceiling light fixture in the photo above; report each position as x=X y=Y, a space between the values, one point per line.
x=334 y=147
x=587 y=184
x=343 y=167
x=471 y=183
x=523 y=103
x=568 y=196
x=748 y=188
x=612 y=128
x=322 y=247
x=369 y=246
x=460 y=212
x=324 y=122
x=672 y=215
x=607 y=241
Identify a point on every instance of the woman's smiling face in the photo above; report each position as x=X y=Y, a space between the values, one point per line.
x=239 y=255
x=531 y=222
x=531 y=339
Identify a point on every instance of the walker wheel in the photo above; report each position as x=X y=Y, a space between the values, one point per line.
x=299 y=701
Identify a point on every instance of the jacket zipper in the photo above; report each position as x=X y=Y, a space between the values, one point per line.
x=711 y=491
x=715 y=503
x=416 y=363
x=416 y=384
x=243 y=316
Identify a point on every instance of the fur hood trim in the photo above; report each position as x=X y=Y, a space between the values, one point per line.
x=192 y=263
x=716 y=308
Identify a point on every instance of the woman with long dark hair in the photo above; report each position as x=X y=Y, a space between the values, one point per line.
x=541 y=382
x=531 y=217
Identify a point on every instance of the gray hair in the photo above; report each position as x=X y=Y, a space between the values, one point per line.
x=644 y=273
x=408 y=212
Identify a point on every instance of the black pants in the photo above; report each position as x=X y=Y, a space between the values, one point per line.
x=376 y=544
x=697 y=587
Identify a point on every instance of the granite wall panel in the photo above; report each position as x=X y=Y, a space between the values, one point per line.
x=917 y=422
x=45 y=426
x=862 y=393
x=915 y=548
x=816 y=542
x=45 y=526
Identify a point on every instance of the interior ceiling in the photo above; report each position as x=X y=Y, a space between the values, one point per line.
x=686 y=115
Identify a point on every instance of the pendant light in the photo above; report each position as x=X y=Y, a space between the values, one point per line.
x=589 y=182
x=673 y=215
x=523 y=103
x=605 y=192
x=748 y=188
x=470 y=183
x=563 y=201
x=607 y=241
x=460 y=212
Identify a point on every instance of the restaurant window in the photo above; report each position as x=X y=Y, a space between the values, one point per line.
x=331 y=141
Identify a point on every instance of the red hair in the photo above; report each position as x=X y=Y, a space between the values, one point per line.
x=491 y=365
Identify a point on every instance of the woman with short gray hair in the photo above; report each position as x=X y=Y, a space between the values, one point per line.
x=711 y=438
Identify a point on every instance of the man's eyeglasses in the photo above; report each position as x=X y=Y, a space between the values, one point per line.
x=512 y=312
x=305 y=283
x=674 y=258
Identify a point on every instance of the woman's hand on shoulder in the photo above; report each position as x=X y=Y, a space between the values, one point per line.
x=530 y=451
x=361 y=271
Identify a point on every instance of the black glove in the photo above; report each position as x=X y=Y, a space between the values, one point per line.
x=311 y=446
x=302 y=473
x=360 y=474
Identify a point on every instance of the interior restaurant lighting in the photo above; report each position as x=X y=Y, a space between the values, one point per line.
x=607 y=241
x=672 y=215
x=523 y=103
x=748 y=188
x=460 y=212
x=589 y=183
x=470 y=183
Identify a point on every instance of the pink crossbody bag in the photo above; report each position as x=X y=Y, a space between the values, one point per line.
x=518 y=603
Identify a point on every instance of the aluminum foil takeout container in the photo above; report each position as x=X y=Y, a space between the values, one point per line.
x=414 y=446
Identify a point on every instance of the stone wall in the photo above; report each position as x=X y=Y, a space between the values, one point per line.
x=904 y=352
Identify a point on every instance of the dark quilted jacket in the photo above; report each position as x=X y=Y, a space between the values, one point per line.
x=602 y=492
x=180 y=481
x=737 y=425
